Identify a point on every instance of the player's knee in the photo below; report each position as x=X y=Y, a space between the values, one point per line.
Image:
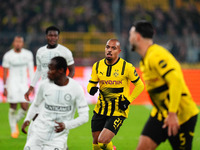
x=103 y=140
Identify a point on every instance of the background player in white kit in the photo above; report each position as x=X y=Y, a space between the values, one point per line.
x=44 y=55
x=17 y=61
x=62 y=96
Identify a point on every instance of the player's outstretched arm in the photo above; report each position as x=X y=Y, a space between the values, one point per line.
x=5 y=73
x=139 y=87
x=26 y=95
x=81 y=119
x=174 y=83
x=71 y=70
x=35 y=79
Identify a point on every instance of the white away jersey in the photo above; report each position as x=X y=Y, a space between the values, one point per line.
x=60 y=104
x=44 y=55
x=17 y=82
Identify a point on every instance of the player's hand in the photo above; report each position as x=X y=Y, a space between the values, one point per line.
x=24 y=125
x=59 y=127
x=93 y=90
x=5 y=92
x=172 y=123
x=123 y=104
x=26 y=95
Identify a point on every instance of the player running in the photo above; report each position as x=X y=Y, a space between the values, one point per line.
x=62 y=96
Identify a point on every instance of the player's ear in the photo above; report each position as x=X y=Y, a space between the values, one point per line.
x=138 y=36
x=61 y=70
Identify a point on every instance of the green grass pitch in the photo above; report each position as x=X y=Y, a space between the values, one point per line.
x=81 y=138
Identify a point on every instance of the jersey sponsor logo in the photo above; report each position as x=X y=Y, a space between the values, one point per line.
x=58 y=108
x=110 y=82
x=162 y=64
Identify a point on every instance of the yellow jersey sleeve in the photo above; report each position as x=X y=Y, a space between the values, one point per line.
x=135 y=79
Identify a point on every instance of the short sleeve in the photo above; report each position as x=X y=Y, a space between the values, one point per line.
x=5 y=62
x=69 y=58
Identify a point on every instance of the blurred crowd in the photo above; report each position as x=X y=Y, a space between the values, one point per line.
x=177 y=29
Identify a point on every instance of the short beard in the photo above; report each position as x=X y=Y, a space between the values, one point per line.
x=17 y=49
x=109 y=59
x=133 y=48
x=52 y=46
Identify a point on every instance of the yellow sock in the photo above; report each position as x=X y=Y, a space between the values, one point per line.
x=108 y=146
x=95 y=147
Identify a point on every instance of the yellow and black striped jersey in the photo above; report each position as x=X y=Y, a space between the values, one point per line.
x=156 y=65
x=114 y=80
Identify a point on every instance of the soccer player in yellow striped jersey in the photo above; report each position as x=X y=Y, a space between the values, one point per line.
x=113 y=74
x=174 y=113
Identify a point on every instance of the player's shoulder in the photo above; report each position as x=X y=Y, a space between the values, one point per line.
x=157 y=51
x=42 y=48
x=102 y=61
x=45 y=83
x=62 y=47
x=125 y=63
x=26 y=51
x=74 y=84
x=9 y=52
x=99 y=63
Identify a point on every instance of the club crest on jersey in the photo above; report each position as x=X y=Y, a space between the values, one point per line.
x=116 y=73
x=68 y=97
x=162 y=64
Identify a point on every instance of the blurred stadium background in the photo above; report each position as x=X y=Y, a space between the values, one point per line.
x=86 y=25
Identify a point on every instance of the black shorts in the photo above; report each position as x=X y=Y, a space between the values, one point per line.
x=113 y=123
x=182 y=141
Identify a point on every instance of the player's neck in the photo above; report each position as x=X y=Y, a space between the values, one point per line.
x=145 y=46
x=62 y=81
x=111 y=62
x=52 y=46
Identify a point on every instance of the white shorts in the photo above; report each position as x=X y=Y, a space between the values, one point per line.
x=36 y=143
x=36 y=147
x=16 y=93
x=42 y=148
